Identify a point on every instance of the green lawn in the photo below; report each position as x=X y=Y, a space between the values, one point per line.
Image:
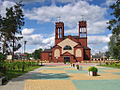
x=112 y=66
x=15 y=73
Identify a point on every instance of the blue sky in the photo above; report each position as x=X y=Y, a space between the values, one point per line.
x=41 y=15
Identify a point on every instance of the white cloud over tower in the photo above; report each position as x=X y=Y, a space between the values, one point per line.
x=70 y=13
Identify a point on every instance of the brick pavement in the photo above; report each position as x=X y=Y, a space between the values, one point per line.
x=64 y=77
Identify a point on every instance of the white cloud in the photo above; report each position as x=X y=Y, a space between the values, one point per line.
x=73 y=1
x=35 y=41
x=72 y=31
x=98 y=43
x=105 y=48
x=52 y=1
x=71 y=14
x=109 y=2
x=27 y=1
x=27 y=31
x=4 y=5
x=98 y=40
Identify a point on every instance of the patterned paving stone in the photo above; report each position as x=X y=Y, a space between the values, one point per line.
x=13 y=85
x=52 y=71
x=57 y=76
x=112 y=71
x=68 y=66
x=117 y=73
x=69 y=69
x=101 y=76
x=76 y=71
x=49 y=85
x=106 y=68
x=65 y=77
x=97 y=84
x=80 y=71
x=57 y=66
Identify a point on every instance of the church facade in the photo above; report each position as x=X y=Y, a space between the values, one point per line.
x=68 y=48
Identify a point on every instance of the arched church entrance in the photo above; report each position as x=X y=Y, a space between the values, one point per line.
x=66 y=58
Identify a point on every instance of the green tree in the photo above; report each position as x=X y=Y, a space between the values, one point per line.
x=37 y=53
x=29 y=55
x=114 y=26
x=107 y=54
x=0 y=22
x=11 y=25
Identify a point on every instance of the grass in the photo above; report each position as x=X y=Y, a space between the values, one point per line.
x=112 y=66
x=15 y=73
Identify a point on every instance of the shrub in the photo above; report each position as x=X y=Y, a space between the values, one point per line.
x=93 y=69
x=67 y=62
x=106 y=63
x=77 y=65
x=64 y=62
x=2 y=57
x=118 y=64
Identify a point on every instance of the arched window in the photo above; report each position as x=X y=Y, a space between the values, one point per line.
x=67 y=48
x=57 y=53
x=78 y=53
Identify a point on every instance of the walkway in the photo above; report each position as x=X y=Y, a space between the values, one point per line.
x=64 y=77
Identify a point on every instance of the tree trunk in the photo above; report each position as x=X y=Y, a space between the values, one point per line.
x=13 y=49
x=3 y=46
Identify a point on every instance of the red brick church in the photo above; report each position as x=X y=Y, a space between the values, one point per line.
x=68 y=48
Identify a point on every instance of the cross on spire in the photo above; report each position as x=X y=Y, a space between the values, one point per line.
x=82 y=17
x=59 y=18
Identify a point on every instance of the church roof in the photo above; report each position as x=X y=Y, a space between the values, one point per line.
x=78 y=45
x=76 y=37
x=47 y=50
x=86 y=48
x=57 y=46
x=67 y=54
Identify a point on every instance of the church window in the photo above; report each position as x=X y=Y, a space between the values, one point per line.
x=57 y=53
x=67 y=48
x=78 y=53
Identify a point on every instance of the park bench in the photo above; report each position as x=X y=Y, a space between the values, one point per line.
x=1 y=79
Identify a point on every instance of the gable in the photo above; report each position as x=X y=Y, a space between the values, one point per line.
x=78 y=46
x=68 y=42
x=67 y=54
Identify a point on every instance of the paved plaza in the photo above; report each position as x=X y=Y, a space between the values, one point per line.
x=64 y=77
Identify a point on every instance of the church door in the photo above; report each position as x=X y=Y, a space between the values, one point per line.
x=67 y=59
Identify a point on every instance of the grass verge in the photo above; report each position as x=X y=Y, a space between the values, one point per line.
x=112 y=66
x=15 y=73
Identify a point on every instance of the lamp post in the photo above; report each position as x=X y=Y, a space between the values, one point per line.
x=24 y=58
x=24 y=46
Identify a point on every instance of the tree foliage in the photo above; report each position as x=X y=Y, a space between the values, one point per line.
x=107 y=54
x=29 y=55
x=10 y=26
x=114 y=26
x=37 y=53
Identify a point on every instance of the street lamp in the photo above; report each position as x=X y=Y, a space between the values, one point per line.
x=24 y=45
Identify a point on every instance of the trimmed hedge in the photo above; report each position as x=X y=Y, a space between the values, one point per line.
x=93 y=69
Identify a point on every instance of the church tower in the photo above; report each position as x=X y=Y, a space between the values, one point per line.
x=83 y=33
x=59 y=31
x=82 y=29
